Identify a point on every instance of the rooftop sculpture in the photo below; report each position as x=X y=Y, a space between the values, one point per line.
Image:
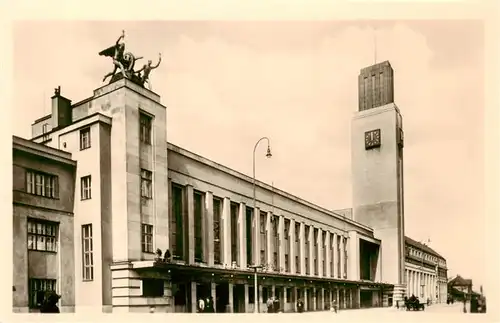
x=124 y=63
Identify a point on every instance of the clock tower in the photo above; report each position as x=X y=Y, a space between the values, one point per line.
x=377 y=171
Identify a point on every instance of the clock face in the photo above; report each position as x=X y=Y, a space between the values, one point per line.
x=372 y=139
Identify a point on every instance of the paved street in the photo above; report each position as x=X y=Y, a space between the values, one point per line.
x=437 y=312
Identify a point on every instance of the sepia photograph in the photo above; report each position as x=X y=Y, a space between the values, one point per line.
x=323 y=168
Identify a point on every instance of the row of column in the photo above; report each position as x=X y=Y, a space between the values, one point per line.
x=421 y=284
x=313 y=301
x=339 y=270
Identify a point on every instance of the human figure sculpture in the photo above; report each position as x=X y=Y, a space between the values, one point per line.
x=146 y=70
x=118 y=58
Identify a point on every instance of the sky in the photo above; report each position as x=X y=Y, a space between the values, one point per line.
x=227 y=84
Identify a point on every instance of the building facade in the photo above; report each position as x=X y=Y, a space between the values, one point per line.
x=43 y=245
x=426 y=272
x=137 y=194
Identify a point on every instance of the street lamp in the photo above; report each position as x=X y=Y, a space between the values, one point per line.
x=255 y=292
x=255 y=267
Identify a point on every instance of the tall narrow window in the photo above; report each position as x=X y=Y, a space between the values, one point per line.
x=88 y=255
x=217 y=204
x=325 y=247
x=250 y=238
x=365 y=90
x=315 y=244
x=297 y=248
x=339 y=253
x=234 y=232
x=345 y=258
x=176 y=227
x=86 y=187
x=286 y=232
x=37 y=290
x=146 y=184
x=332 y=254
x=198 y=226
x=374 y=92
x=276 y=243
x=307 y=250
x=42 y=235
x=263 y=238
x=147 y=238
x=85 y=138
x=145 y=128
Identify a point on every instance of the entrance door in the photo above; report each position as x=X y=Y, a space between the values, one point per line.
x=221 y=297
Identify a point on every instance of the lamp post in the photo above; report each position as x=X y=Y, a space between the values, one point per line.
x=255 y=267
x=255 y=292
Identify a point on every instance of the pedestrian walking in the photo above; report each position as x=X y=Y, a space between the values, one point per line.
x=333 y=306
x=269 y=304
x=300 y=305
x=201 y=305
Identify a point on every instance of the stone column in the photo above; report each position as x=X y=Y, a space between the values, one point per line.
x=320 y=253
x=291 y=240
x=256 y=236
x=306 y=300
x=226 y=232
x=342 y=259
x=242 y=237
x=281 y=239
x=194 y=303
x=328 y=254
x=209 y=228
x=213 y=293
x=353 y=256
x=247 y=300
x=302 y=249
x=190 y=223
x=269 y=233
x=314 y=299
x=285 y=300
x=311 y=250
x=322 y=296
x=335 y=256
x=230 y=301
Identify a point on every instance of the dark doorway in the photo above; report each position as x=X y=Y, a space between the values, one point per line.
x=221 y=297
x=239 y=298
x=181 y=298
x=366 y=298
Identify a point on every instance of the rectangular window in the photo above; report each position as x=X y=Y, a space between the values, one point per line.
x=217 y=215
x=42 y=184
x=37 y=289
x=339 y=271
x=374 y=92
x=198 y=226
x=146 y=184
x=42 y=235
x=152 y=287
x=315 y=244
x=147 y=238
x=235 y=208
x=345 y=258
x=307 y=251
x=86 y=187
x=176 y=227
x=88 y=252
x=297 y=264
x=250 y=238
x=263 y=238
x=286 y=232
x=145 y=128
x=85 y=138
x=325 y=247
x=365 y=91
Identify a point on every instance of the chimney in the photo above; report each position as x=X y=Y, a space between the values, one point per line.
x=61 y=110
